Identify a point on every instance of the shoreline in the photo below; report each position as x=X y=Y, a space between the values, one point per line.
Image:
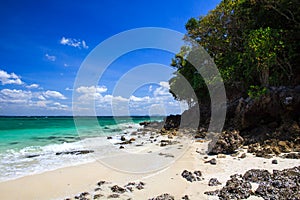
x=72 y=181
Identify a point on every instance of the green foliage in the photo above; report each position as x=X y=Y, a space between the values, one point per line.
x=253 y=42
x=256 y=91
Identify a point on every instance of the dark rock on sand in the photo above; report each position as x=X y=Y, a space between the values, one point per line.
x=97 y=196
x=227 y=143
x=274 y=162
x=113 y=196
x=243 y=155
x=121 y=147
x=140 y=186
x=214 y=182
x=167 y=155
x=109 y=138
x=185 y=197
x=100 y=183
x=212 y=161
x=163 y=197
x=189 y=176
x=75 y=152
x=236 y=189
x=212 y=193
x=123 y=138
x=282 y=185
x=257 y=175
x=32 y=156
x=117 y=189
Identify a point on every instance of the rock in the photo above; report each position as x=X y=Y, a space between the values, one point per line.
x=109 y=137
x=172 y=122
x=292 y=156
x=185 y=197
x=123 y=138
x=117 y=189
x=235 y=189
x=284 y=147
x=212 y=161
x=274 y=162
x=282 y=185
x=75 y=152
x=212 y=193
x=167 y=155
x=144 y=123
x=189 y=176
x=113 y=196
x=257 y=175
x=163 y=197
x=32 y=156
x=243 y=156
x=121 y=147
x=132 y=140
x=214 y=182
x=97 y=196
x=140 y=186
x=83 y=196
x=227 y=143
x=278 y=104
x=100 y=183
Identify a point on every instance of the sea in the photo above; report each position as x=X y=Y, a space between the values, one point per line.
x=32 y=145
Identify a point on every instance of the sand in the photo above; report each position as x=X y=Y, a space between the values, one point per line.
x=71 y=181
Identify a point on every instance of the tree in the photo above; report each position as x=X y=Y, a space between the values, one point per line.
x=253 y=43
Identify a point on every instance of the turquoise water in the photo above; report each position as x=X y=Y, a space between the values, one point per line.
x=29 y=145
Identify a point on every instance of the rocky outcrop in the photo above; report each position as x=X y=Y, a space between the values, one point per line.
x=279 y=185
x=235 y=188
x=163 y=197
x=227 y=143
x=277 y=105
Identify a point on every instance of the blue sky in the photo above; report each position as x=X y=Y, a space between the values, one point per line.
x=43 y=44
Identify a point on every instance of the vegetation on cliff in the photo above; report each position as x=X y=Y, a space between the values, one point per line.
x=254 y=43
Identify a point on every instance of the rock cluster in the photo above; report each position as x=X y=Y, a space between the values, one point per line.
x=235 y=188
x=274 y=147
x=214 y=182
x=189 y=176
x=227 y=143
x=278 y=185
x=163 y=197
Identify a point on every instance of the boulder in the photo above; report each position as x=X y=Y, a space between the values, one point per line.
x=227 y=143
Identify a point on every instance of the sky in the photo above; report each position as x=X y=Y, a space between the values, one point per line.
x=44 y=44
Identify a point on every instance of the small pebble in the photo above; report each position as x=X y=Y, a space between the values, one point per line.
x=274 y=162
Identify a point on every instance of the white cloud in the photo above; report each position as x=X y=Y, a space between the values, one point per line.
x=74 y=43
x=12 y=78
x=139 y=99
x=69 y=89
x=163 y=90
x=51 y=58
x=54 y=94
x=15 y=96
x=91 y=89
x=32 y=86
x=41 y=97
